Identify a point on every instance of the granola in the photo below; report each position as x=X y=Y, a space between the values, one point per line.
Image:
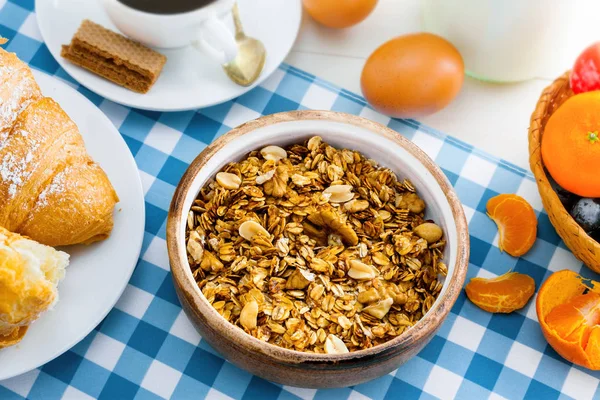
x=314 y=248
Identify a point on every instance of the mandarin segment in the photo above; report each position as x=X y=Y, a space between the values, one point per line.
x=568 y=319
x=592 y=349
x=569 y=315
x=558 y=289
x=503 y=294
x=516 y=221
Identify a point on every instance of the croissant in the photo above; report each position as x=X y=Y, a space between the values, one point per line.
x=50 y=189
x=29 y=275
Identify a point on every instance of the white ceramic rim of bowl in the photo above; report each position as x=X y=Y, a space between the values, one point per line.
x=385 y=151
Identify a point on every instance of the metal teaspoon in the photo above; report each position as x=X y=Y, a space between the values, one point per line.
x=249 y=63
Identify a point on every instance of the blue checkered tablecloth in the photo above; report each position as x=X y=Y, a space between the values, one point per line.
x=146 y=348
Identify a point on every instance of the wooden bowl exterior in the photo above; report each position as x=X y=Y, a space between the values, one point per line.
x=580 y=243
x=291 y=367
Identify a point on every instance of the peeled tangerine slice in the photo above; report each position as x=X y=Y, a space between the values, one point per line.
x=503 y=294
x=517 y=223
x=569 y=315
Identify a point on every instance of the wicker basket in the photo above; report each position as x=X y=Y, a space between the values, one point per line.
x=583 y=246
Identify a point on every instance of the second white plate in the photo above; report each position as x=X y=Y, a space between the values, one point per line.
x=98 y=273
x=189 y=80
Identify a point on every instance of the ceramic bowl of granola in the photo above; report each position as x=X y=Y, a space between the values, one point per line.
x=316 y=249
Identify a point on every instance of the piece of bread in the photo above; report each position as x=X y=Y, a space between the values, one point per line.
x=50 y=189
x=29 y=275
x=114 y=57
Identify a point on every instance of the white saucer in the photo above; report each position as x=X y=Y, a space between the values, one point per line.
x=98 y=273
x=189 y=80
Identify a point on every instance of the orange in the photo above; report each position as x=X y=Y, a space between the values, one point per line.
x=517 y=224
x=569 y=315
x=339 y=13
x=503 y=294
x=571 y=144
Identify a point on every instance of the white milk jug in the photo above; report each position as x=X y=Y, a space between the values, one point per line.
x=514 y=40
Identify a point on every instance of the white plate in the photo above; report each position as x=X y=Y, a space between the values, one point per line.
x=189 y=80
x=97 y=274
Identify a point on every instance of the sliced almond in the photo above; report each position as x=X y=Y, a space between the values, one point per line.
x=362 y=249
x=249 y=315
x=274 y=153
x=344 y=322
x=301 y=180
x=335 y=345
x=356 y=205
x=361 y=271
x=379 y=309
x=250 y=228
x=283 y=246
x=267 y=176
x=309 y=276
x=339 y=193
x=190 y=220
x=195 y=247
x=228 y=180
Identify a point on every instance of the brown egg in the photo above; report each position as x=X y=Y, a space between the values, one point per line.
x=412 y=75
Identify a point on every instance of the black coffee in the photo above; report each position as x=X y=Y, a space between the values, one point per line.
x=166 y=6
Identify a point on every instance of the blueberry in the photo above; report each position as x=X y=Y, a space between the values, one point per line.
x=586 y=213
x=566 y=198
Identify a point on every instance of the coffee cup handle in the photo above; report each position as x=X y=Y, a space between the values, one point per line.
x=216 y=41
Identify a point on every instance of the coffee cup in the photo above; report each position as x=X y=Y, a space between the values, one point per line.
x=174 y=24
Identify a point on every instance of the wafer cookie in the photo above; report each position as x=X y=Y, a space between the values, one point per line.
x=114 y=57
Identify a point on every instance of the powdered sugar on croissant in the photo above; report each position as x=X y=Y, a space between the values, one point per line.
x=50 y=189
